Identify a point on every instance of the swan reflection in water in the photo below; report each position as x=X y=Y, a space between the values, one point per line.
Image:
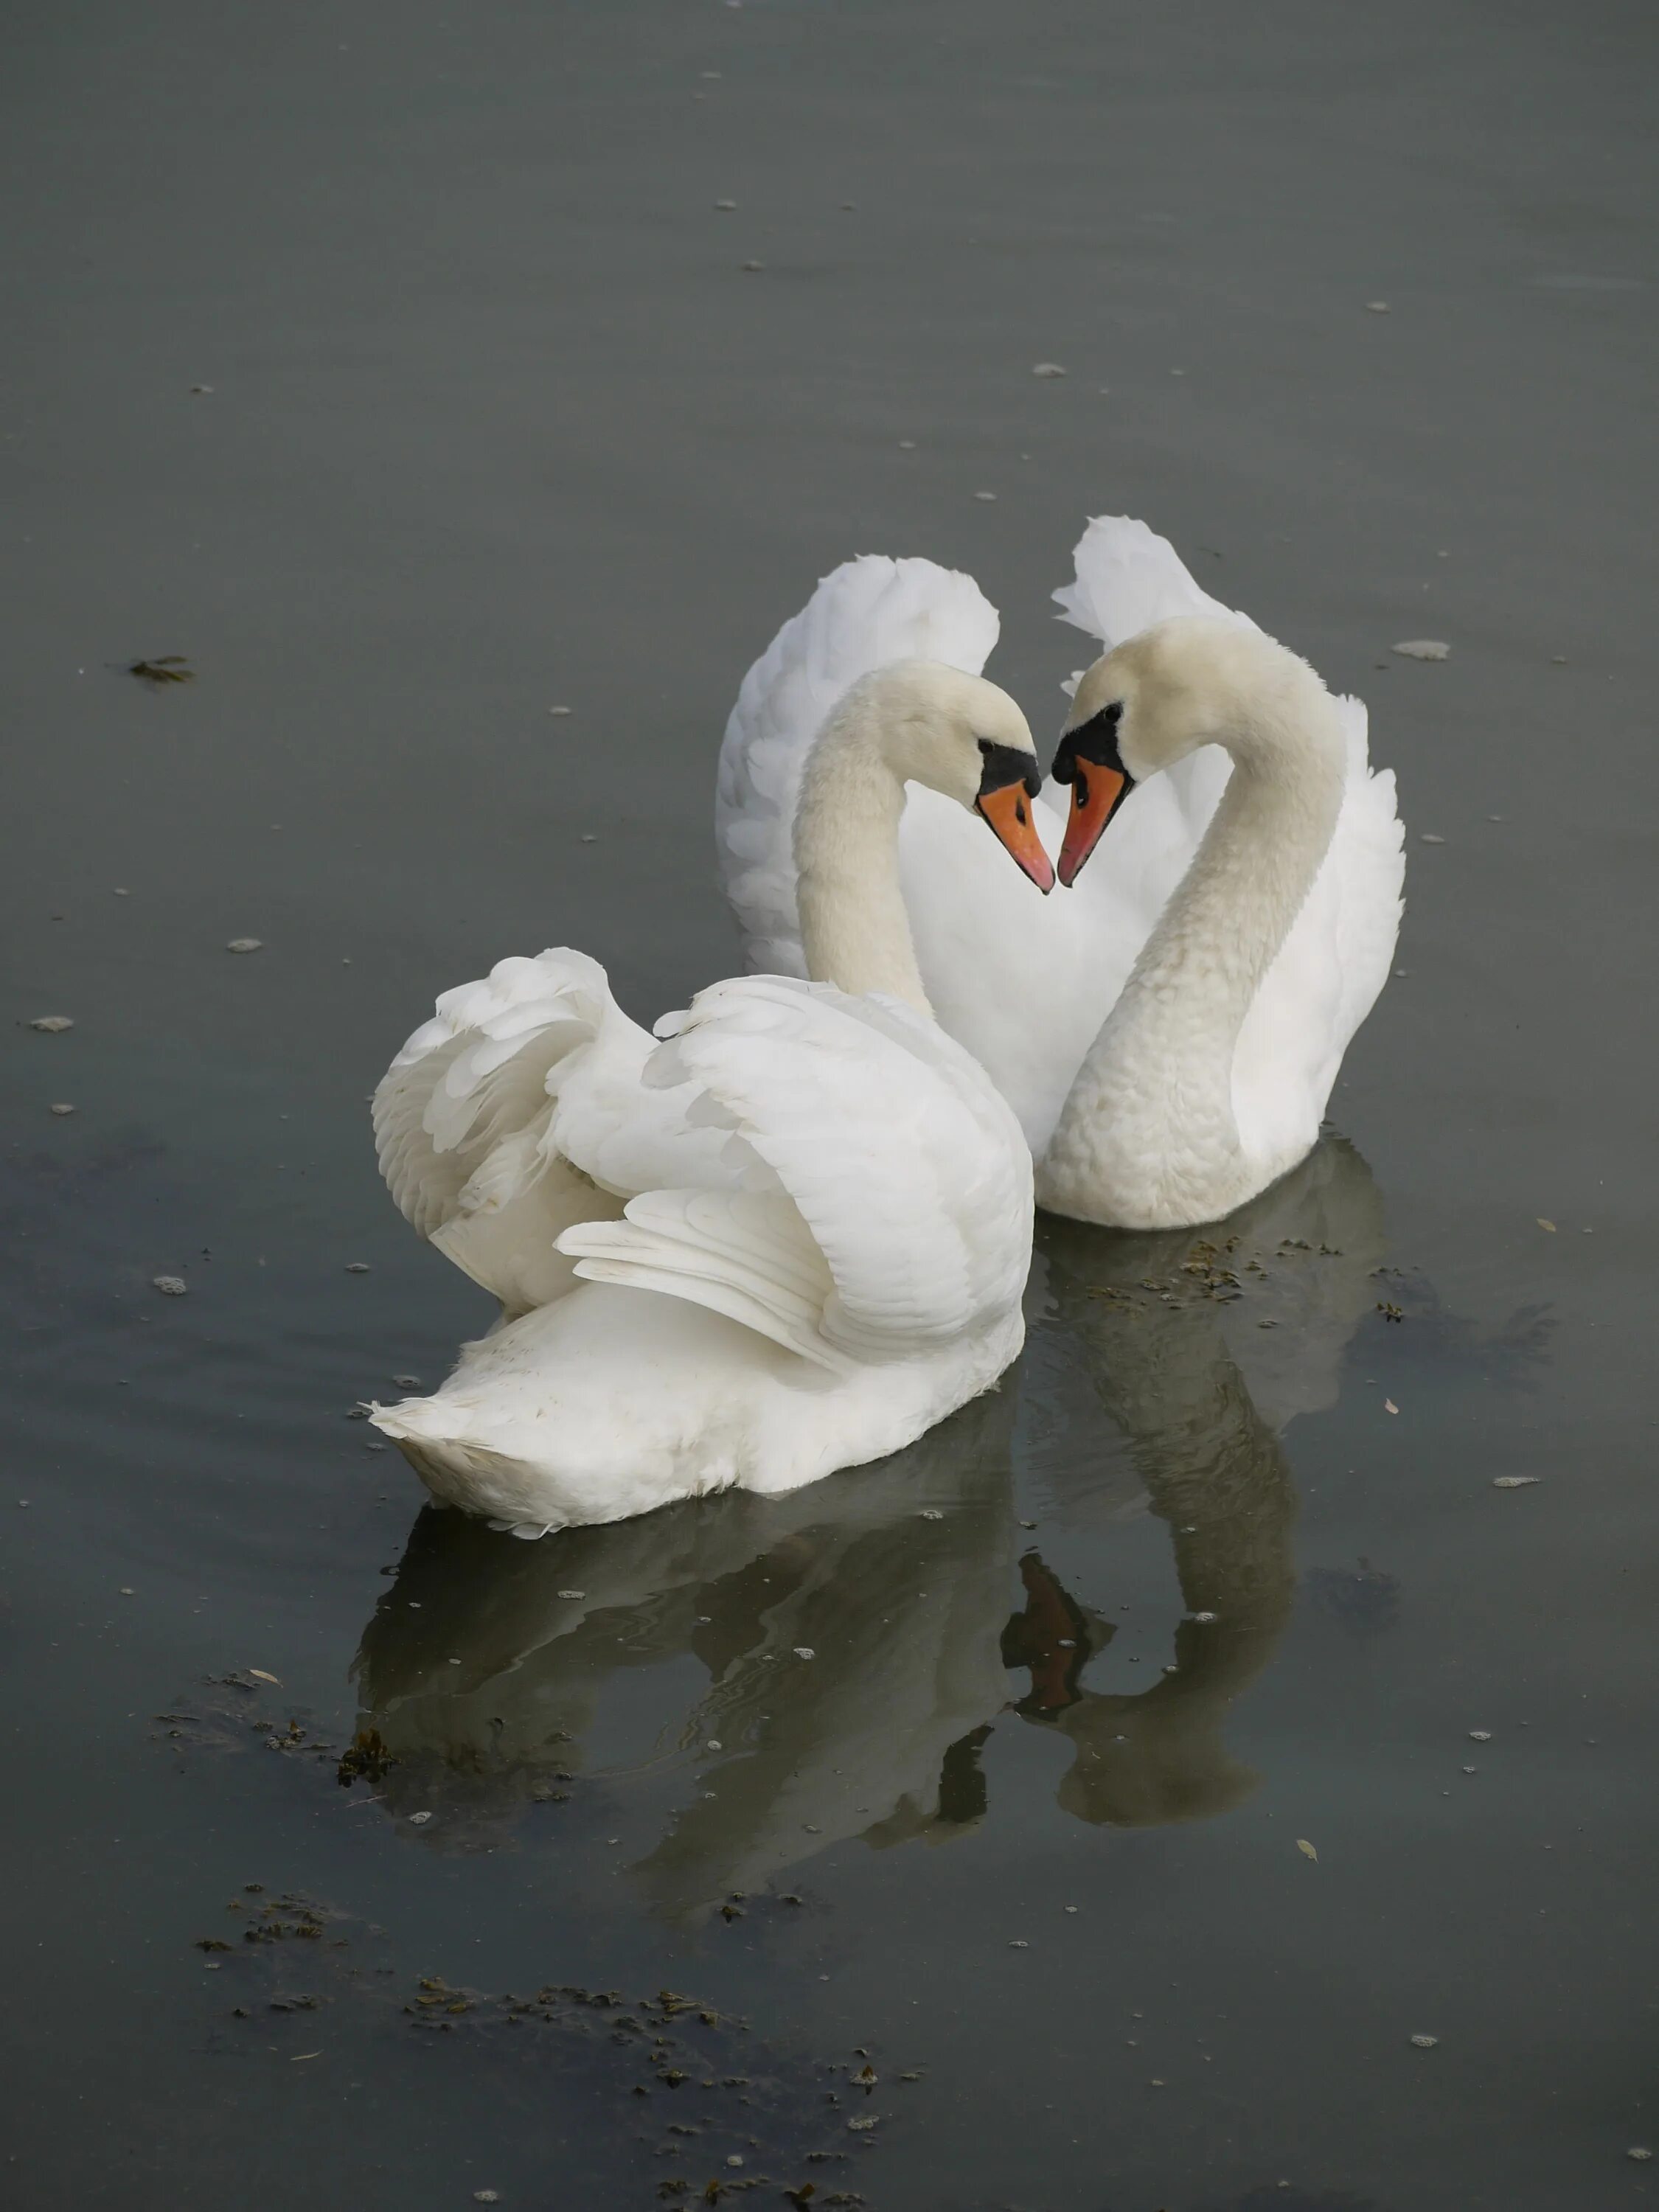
x=851 y=1645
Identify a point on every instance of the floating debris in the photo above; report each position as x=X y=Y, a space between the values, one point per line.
x=571 y=1593
x=407 y=1381
x=753 y=268
x=62 y=1107
x=726 y=207
x=930 y=1513
x=1515 y=1482
x=1047 y=368
x=419 y=1819
x=1542 y=1223
x=985 y=495
x=1426 y=2042
x=1428 y=837
x=1307 y=1849
x=358 y=1268
x=245 y=945
x=1018 y=1943
x=1376 y=306
x=367 y=1759
x=1640 y=2151
x=1388 y=1405
x=170 y=1286
x=804 y=1651
x=1480 y=1735
x=1423 y=648
x=260 y=1675
x=52 y=1024
x=165 y=668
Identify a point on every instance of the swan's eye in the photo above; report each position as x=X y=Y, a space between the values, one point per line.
x=1094 y=741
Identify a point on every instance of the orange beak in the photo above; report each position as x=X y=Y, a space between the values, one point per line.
x=1009 y=813
x=1096 y=794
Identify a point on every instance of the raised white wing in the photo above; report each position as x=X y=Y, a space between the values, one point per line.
x=899 y=1210
x=864 y=614
x=1127 y=578
x=517 y=1111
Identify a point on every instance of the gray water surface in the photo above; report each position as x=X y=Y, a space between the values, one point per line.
x=494 y=419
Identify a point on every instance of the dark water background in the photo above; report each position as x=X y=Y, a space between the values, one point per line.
x=498 y=421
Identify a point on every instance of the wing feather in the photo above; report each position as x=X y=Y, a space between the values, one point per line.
x=908 y=1172
x=464 y=1120
x=747 y=1254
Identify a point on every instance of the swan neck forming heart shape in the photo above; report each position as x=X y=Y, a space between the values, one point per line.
x=1148 y=1136
x=913 y=722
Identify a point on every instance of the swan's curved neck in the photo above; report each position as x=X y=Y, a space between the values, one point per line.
x=1151 y=1114
x=854 y=930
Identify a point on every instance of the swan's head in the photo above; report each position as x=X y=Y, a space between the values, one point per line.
x=1196 y=680
x=961 y=735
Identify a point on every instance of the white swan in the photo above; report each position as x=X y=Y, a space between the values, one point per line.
x=1211 y=1075
x=825 y=1206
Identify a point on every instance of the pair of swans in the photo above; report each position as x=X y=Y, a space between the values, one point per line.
x=802 y=1221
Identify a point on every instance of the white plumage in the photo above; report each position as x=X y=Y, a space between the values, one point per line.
x=1027 y=985
x=789 y=1237
x=821 y=1251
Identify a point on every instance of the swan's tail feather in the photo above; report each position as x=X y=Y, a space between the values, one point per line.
x=439 y=1437
x=436 y=1420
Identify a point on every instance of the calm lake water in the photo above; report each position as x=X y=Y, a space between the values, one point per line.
x=395 y=365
